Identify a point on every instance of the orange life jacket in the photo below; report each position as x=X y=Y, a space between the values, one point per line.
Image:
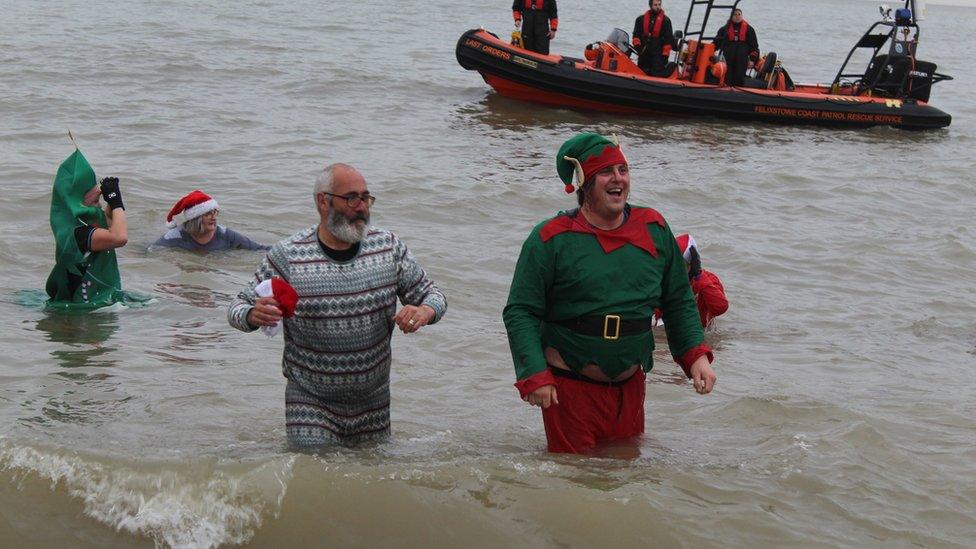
x=730 y=32
x=658 y=21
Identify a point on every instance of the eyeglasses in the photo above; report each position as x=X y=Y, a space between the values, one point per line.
x=353 y=199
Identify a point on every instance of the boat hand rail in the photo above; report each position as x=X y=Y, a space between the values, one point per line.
x=710 y=5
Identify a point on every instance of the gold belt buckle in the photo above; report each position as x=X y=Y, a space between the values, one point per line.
x=606 y=326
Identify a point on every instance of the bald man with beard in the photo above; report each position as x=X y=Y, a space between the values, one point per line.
x=348 y=276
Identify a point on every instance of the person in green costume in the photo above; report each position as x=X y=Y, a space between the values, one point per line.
x=583 y=295
x=86 y=272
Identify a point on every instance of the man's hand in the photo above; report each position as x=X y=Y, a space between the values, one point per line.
x=702 y=375
x=543 y=397
x=264 y=313
x=552 y=35
x=411 y=317
x=750 y=65
x=518 y=23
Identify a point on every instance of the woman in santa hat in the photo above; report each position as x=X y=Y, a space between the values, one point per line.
x=708 y=289
x=192 y=224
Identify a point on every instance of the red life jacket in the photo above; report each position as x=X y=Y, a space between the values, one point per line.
x=534 y=4
x=743 y=29
x=658 y=21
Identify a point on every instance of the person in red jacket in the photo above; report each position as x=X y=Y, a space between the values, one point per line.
x=653 y=38
x=538 y=20
x=708 y=289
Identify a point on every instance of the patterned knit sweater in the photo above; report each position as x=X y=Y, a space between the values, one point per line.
x=337 y=346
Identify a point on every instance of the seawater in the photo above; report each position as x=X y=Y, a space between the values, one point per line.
x=843 y=414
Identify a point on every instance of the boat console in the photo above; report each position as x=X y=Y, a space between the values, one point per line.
x=893 y=72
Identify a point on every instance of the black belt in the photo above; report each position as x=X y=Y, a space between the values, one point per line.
x=606 y=326
x=569 y=374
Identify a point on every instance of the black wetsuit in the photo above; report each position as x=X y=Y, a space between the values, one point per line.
x=738 y=50
x=652 y=56
x=538 y=18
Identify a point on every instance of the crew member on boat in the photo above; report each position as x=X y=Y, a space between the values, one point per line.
x=738 y=41
x=582 y=299
x=653 y=37
x=538 y=20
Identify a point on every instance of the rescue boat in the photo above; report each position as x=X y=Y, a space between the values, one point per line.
x=892 y=90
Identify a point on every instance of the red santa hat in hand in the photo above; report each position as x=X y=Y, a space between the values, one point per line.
x=190 y=207
x=284 y=294
x=685 y=243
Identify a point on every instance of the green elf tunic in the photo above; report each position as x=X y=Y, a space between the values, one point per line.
x=79 y=281
x=568 y=269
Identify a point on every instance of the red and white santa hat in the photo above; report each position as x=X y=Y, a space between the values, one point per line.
x=190 y=207
x=284 y=294
x=685 y=243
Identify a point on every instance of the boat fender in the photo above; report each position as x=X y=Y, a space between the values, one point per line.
x=718 y=70
x=780 y=83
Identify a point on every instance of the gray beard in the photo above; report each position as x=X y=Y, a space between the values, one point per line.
x=345 y=230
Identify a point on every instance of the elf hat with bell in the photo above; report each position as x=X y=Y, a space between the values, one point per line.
x=582 y=156
x=189 y=207
x=685 y=243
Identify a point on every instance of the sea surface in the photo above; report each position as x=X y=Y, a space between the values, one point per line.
x=845 y=409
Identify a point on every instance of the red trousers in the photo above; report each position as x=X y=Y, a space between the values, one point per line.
x=589 y=413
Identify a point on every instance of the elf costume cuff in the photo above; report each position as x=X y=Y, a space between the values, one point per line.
x=691 y=355
x=533 y=382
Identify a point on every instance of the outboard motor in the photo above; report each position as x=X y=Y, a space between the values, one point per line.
x=900 y=76
x=620 y=39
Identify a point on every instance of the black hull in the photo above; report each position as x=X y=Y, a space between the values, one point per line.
x=565 y=81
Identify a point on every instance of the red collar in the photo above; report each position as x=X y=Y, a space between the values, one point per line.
x=633 y=231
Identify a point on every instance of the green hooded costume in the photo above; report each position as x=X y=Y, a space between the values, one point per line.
x=79 y=281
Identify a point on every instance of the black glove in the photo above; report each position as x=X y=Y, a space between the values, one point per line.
x=111 y=192
x=694 y=264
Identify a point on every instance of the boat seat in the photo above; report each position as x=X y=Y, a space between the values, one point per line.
x=750 y=82
x=885 y=75
x=666 y=72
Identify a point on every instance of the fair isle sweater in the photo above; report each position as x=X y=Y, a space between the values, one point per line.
x=337 y=345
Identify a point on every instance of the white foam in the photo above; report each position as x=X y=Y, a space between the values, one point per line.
x=196 y=506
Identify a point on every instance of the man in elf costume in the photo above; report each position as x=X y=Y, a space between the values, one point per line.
x=581 y=302
x=86 y=271
x=538 y=20
x=653 y=38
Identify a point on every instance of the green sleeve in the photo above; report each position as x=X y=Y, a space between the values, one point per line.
x=526 y=305
x=681 y=320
